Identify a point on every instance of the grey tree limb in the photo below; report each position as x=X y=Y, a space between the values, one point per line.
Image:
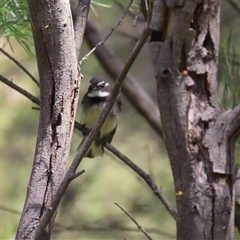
x=197 y=134
x=93 y=133
x=80 y=15
x=59 y=75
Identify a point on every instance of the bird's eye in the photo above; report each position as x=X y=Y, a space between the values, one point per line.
x=102 y=85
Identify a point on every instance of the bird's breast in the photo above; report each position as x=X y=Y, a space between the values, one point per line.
x=90 y=116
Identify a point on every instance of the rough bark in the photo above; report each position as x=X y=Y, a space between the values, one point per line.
x=59 y=79
x=199 y=137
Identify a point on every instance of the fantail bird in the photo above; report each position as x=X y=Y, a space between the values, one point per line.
x=92 y=105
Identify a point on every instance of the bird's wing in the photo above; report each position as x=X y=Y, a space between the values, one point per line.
x=108 y=138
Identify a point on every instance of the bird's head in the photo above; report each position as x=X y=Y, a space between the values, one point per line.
x=99 y=88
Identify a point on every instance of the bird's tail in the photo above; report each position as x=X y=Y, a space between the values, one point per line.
x=95 y=150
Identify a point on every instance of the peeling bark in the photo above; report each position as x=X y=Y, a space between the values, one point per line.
x=199 y=137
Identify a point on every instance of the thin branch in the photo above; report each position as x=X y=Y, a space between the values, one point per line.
x=19 y=89
x=36 y=108
x=91 y=228
x=234 y=120
x=131 y=88
x=145 y=177
x=130 y=13
x=80 y=15
x=93 y=133
x=111 y=228
x=20 y=66
x=134 y=220
x=234 y=5
x=10 y=210
x=147 y=10
x=77 y=174
x=109 y=34
x=137 y=13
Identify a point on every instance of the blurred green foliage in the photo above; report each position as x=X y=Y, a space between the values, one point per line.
x=229 y=74
x=87 y=210
x=14 y=22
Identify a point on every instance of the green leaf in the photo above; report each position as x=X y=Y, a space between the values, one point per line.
x=229 y=74
x=15 y=22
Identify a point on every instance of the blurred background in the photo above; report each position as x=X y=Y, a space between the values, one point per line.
x=88 y=211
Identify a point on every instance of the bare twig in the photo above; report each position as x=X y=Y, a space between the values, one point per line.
x=234 y=5
x=134 y=220
x=80 y=15
x=91 y=228
x=130 y=13
x=19 y=89
x=131 y=88
x=36 y=108
x=145 y=177
x=10 y=210
x=149 y=161
x=147 y=9
x=20 y=66
x=110 y=228
x=109 y=34
x=77 y=174
x=93 y=133
x=137 y=13
x=233 y=119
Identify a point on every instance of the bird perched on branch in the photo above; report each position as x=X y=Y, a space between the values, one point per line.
x=92 y=105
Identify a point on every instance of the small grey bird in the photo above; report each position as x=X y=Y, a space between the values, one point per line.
x=92 y=105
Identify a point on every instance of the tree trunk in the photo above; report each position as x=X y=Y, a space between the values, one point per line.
x=199 y=137
x=59 y=79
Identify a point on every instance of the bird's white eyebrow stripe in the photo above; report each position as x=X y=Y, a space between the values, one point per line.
x=98 y=94
x=103 y=82
x=100 y=83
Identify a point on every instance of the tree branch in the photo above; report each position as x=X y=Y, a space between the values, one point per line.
x=77 y=174
x=80 y=228
x=234 y=121
x=80 y=15
x=226 y=130
x=19 y=89
x=111 y=228
x=9 y=210
x=93 y=133
x=59 y=75
x=234 y=5
x=134 y=220
x=109 y=34
x=20 y=66
x=133 y=91
x=145 y=177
